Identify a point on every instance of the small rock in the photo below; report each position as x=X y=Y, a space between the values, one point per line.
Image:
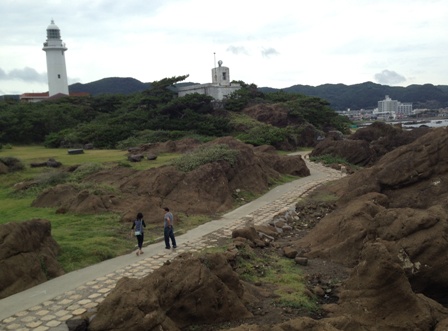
x=301 y=260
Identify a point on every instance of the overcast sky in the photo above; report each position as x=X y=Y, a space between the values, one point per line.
x=269 y=43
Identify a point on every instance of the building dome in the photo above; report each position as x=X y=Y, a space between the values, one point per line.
x=53 y=31
x=52 y=26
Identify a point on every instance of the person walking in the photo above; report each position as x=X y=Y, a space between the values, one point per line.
x=168 y=228
x=139 y=224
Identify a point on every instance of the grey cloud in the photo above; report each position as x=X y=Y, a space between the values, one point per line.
x=26 y=74
x=268 y=52
x=388 y=77
x=237 y=50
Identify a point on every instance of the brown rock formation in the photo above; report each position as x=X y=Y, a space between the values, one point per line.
x=27 y=256
x=179 y=294
x=391 y=225
x=367 y=145
x=209 y=189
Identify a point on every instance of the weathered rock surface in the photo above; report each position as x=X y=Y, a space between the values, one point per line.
x=52 y=163
x=27 y=256
x=367 y=145
x=209 y=189
x=181 y=293
x=391 y=226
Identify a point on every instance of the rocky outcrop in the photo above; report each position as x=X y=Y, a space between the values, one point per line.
x=391 y=225
x=180 y=293
x=367 y=145
x=10 y=164
x=353 y=151
x=208 y=189
x=52 y=163
x=378 y=295
x=28 y=256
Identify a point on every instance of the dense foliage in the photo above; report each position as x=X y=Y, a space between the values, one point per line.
x=155 y=114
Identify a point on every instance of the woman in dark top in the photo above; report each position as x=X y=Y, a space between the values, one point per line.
x=138 y=225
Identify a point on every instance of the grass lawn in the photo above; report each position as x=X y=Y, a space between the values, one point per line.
x=84 y=239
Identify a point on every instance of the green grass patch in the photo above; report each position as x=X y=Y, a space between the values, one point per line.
x=284 y=273
x=329 y=159
x=105 y=157
x=84 y=239
x=29 y=154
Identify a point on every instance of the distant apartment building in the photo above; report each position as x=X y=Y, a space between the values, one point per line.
x=387 y=105
x=394 y=107
x=405 y=108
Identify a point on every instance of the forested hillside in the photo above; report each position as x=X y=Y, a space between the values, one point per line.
x=367 y=95
x=339 y=96
x=157 y=114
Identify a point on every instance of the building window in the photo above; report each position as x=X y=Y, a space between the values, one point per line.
x=59 y=76
x=224 y=76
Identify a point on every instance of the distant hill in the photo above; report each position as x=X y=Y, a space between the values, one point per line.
x=112 y=85
x=367 y=95
x=115 y=85
x=340 y=96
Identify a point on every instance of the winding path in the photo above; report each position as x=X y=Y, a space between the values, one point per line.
x=47 y=306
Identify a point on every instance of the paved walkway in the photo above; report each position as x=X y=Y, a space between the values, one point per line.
x=47 y=306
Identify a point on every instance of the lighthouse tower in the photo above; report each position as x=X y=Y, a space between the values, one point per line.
x=56 y=71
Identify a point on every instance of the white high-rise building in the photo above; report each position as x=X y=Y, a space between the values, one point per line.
x=388 y=105
x=56 y=70
x=394 y=107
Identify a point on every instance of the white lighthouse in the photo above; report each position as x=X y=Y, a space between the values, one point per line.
x=56 y=71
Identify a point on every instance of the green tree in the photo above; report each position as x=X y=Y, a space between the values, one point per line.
x=238 y=100
x=161 y=92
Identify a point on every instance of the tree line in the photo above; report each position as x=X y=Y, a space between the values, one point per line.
x=155 y=114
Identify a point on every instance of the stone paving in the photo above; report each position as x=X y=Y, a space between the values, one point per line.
x=51 y=315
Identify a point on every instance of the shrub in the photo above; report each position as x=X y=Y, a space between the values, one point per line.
x=12 y=163
x=84 y=170
x=204 y=155
x=263 y=135
x=51 y=178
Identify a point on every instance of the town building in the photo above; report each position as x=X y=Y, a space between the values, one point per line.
x=218 y=89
